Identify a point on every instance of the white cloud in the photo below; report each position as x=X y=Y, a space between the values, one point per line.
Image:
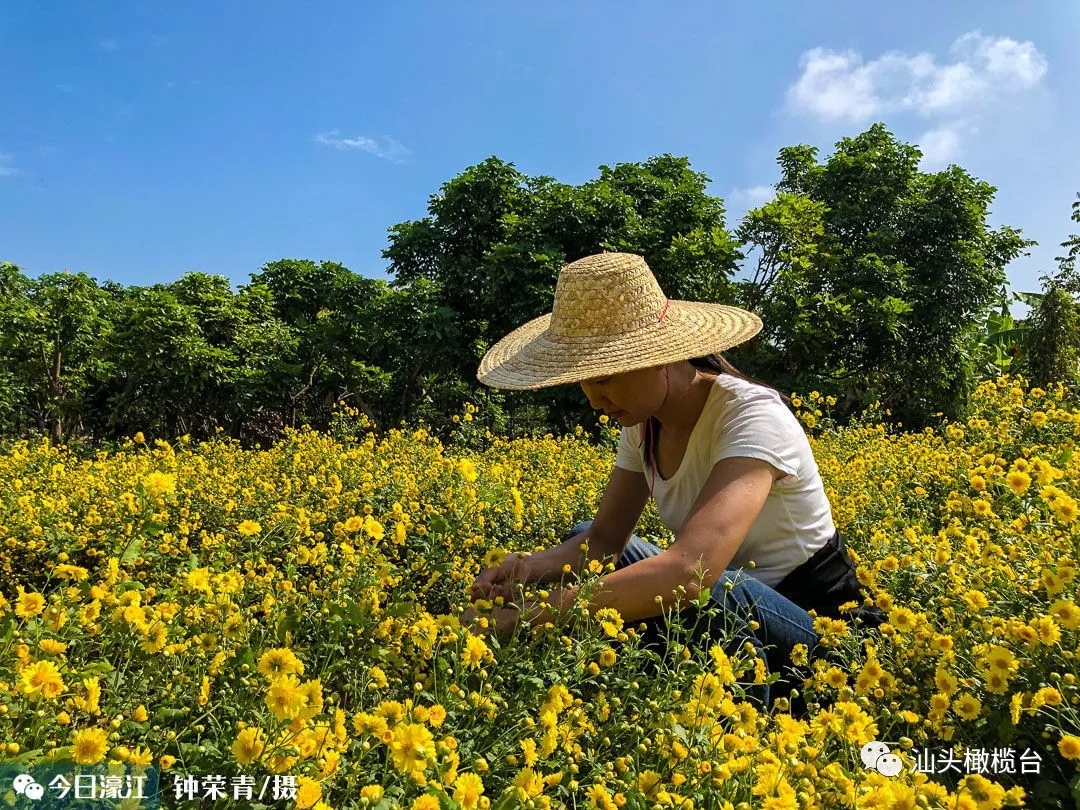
x=940 y=145
x=6 y=170
x=839 y=86
x=387 y=149
x=753 y=196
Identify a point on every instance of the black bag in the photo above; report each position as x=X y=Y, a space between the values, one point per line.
x=826 y=581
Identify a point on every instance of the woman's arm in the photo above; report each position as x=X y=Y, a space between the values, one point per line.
x=719 y=521
x=618 y=513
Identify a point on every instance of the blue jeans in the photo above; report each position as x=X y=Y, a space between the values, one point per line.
x=781 y=623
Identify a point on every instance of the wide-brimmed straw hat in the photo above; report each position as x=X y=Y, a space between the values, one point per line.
x=610 y=316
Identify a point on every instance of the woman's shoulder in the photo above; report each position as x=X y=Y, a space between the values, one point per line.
x=736 y=389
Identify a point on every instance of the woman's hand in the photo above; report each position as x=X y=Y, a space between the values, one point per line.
x=502 y=622
x=499 y=580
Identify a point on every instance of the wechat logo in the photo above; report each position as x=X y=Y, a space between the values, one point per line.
x=25 y=785
x=877 y=756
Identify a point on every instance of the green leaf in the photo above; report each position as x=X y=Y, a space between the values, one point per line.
x=288 y=622
x=24 y=757
x=245 y=656
x=438 y=524
x=97 y=668
x=133 y=551
x=170 y=715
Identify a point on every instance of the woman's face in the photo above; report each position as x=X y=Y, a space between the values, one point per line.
x=630 y=397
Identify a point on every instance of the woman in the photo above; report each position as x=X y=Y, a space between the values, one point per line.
x=729 y=467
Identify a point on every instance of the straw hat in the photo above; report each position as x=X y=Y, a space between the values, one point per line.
x=610 y=316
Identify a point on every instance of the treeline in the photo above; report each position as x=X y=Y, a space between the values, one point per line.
x=875 y=281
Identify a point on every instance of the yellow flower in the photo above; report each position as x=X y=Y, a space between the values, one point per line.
x=354 y=524
x=248 y=527
x=1049 y=633
x=286 y=698
x=467 y=470
x=468 y=788
x=476 y=651
x=308 y=791
x=967 y=706
x=1016 y=705
x=903 y=619
x=89 y=746
x=610 y=621
x=607 y=658
x=248 y=746
x=1018 y=481
x=1066 y=613
x=1069 y=746
x=436 y=715
x=425 y=802
x=141 y=757
x=280 y=661
x=52 y=646
x=29 y=605
x=412 y=748
x=42 y=678
x=372 y=793
x=159 y=483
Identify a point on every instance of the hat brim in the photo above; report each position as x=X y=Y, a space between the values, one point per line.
x=530 y=357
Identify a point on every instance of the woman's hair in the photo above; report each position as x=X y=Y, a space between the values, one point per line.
x=716 y=363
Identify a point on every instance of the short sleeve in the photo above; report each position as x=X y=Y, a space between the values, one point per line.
x=628 y=455
x=761 y=427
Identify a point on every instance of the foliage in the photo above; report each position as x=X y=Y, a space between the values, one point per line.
x=873 y=275
x=1051 y=348
x=495 y=239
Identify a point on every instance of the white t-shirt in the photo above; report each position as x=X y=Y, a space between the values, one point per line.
x=741 y=418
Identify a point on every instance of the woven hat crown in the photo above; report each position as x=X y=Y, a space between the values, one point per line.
x=605 y=295
x=610 y=316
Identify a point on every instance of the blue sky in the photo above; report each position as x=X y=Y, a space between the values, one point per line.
x=143 y=140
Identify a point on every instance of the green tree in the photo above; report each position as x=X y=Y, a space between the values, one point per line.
x=495 y=239
x=1053 y=336
x=1050 y=352
x=50 y=334
x=877 y=274
x=331 y=311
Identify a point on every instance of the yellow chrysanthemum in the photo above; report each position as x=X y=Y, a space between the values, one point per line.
x=476 y=651
x=1069 y=746
x=412 y=748
x=29 y=604
x=89 y=745
x=247 y=528
x=468 y=788
x=42 y=679
x=280 y=661
x=286 y=697
x=308 y=792
x=967 y=707
x=249 y=745
x=159 y=483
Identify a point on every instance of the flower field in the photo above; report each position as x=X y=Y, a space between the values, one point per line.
x=292 y=611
